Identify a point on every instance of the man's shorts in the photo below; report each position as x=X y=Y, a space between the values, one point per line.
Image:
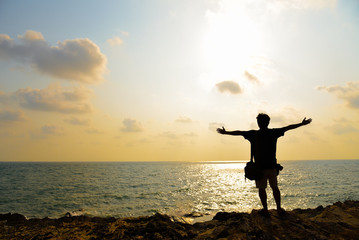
x=271 y=176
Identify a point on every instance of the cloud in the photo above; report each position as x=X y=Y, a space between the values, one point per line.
x=12 y=116
x=175 y=136
x=251 y=77
x=190 y=134
x=286 y=115
x=78 y=121
x=94 y=131
x=56 y=99
x=170 y=135
x=52 y=130
x=3 y=97
x=178 y=139
x=125 y=33
x=182 y=119
x=77 y=59
x=341 y=129
x=115 y=41
x=31 y=35
x=229 y=87
x=279 y=5
x=343 y=126
x=131 y=125
x=282 y=117
x=349 y=93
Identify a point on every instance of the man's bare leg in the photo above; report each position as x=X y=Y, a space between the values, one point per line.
x=276 y=195
x=263 y=197
x=277 y=198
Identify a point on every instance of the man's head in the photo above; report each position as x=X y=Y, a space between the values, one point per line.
x=263 y=120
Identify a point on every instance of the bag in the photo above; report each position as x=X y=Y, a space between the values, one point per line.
x=279 y=168
x=251 y=172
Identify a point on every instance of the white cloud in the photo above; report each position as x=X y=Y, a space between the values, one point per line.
x=176 y=136
x=170 y=135
x=343 y=126
x=280 y=5
x=125 y=33
x=281 y=117
x=56 y=99
x=31 y=35
x=94 y=131
x=229 y=87
x=286 y=115
x=349 y=93
x=115 y=41
x=343 y=129
x=183 y=119
x=190 y=134
x=52 y=130
x=4 y=97
x=131 y=125
x=12 y=116
x=251 y=77
x=306 y=4
x=77 y=59
x=78 y=121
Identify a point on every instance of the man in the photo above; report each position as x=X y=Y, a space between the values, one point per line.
x=263 y=147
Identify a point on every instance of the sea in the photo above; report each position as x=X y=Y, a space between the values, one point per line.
x=123 y=189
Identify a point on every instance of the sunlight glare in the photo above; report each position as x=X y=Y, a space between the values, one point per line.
x=235 y=165
x=231 y=43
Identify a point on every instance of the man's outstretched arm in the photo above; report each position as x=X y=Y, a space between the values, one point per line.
x=233 y=133
x=293 y=126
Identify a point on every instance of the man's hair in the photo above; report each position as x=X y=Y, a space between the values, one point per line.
x=263 y=120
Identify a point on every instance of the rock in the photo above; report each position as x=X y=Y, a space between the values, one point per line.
x=337 y=221
x=194 y=215
x=12 y=219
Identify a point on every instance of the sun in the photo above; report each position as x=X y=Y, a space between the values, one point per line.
x=231 y=42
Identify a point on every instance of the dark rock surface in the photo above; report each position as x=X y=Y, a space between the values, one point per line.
x=337 y=221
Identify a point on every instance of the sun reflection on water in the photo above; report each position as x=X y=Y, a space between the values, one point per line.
x=222 y=187
x=230 y=165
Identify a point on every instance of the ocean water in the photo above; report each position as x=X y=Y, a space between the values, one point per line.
x=122 y=189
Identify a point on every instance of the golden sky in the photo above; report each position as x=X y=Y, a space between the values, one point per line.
x=152 y=80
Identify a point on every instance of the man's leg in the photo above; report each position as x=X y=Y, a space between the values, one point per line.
x=261 y=184
x=263 y=197
x=276 y=195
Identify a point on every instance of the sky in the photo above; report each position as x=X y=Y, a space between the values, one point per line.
x=152 y=80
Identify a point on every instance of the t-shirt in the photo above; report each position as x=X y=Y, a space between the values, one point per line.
x=264 y=146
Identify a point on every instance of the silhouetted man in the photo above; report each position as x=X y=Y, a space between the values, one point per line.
x=263 y=147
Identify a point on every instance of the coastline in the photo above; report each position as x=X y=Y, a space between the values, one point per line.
x=336 y=221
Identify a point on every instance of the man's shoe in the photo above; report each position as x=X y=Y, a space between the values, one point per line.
x=281 y=212
x=264 y=213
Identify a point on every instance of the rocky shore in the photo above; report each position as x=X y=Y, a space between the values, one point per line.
x=337 y=221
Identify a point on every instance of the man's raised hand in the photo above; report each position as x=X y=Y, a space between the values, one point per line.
x=221 y=130
x=306 y=121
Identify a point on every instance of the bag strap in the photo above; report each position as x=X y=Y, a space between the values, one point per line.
x=250 y=161
x=251 y=154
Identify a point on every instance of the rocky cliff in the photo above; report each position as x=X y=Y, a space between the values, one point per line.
x=337 y=221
